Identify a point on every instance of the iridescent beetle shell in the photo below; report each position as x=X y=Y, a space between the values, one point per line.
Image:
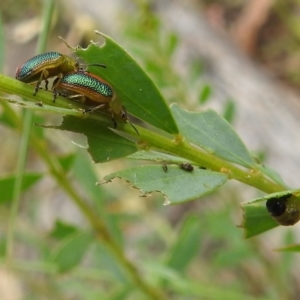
x=86 y=84
x=90 y=89
x=44 y=66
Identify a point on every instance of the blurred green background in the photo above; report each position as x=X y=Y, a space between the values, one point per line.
x=189 y=251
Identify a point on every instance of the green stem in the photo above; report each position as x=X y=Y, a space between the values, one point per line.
x=183 y=149
x=177 y=147
x=21 y=163
x=42 y=101
x=47 y=18
x=100 y=228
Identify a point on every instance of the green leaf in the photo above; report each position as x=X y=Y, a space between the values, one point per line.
x=229 y=111
x=172 y=43
x=186 y=246
x=211 y=132
x=107 y=261
x=205 y=94
x=7 y=185
x=256 y=217
x=67 y=161
x=7 y=114
x=291 y=248
x=71 y=251
x=136 y=90
x=190 y=289
x=104 y=144
x=61 y=230
x=176 y=184
x=83 y=165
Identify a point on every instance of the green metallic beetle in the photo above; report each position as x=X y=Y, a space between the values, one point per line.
x=46 y=65
x=90 y=89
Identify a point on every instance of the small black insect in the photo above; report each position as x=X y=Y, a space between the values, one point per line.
x=165 y=168
x=186 y=166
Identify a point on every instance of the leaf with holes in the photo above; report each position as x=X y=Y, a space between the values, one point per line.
x=133 y=86
x=104 y=144
x=175 y=184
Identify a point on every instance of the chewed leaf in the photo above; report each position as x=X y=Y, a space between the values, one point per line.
x=133 y=86
x=175 y=184
x=211 y=132
x=257 y=219
x=71 y=251
x=104 y=144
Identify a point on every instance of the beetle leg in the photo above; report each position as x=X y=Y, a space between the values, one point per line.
x=81 y=98
x=44 y=76
x=46 y=84
x=56 y=81
x=134 y=127
x=114 y=122
x=124 y=117
x=92 y=109
x=54 y=95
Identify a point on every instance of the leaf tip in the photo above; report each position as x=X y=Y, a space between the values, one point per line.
x=73 y=49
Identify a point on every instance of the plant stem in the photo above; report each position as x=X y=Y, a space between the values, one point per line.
x=21 y=163
x=101 y=231
x=160 y=142
x=183 y=149
x=100 y=228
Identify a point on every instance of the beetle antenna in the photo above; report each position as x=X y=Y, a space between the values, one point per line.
x=134 y=127
x=96 y=65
